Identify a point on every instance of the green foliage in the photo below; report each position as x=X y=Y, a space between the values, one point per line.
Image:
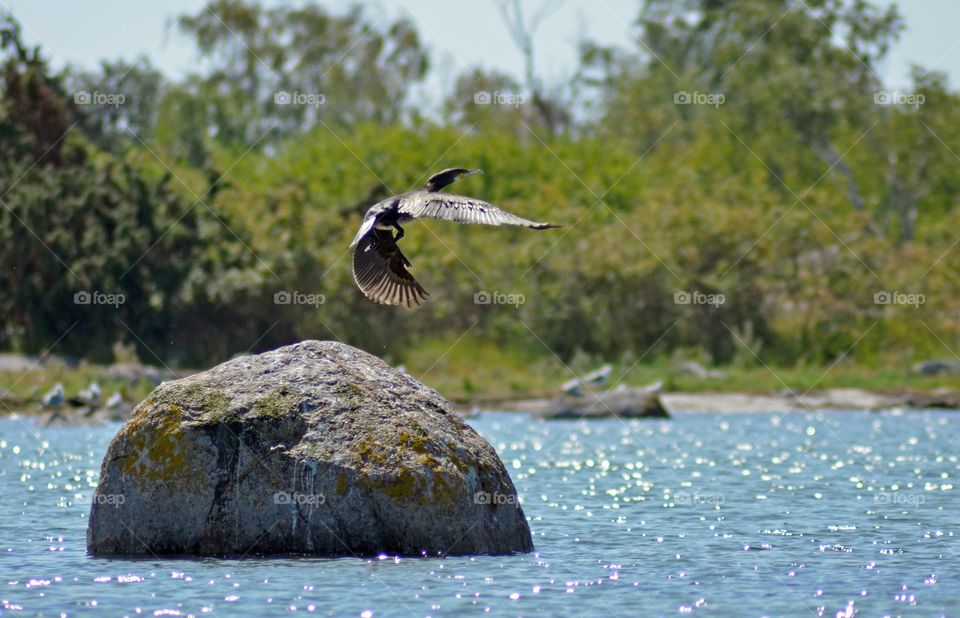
x=286 y=69
x=795 y=200
x=116 y=106
x=95 y=249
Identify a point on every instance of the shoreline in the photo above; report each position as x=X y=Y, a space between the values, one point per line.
x=835 y=399
x=25 y=381
x=828 y=400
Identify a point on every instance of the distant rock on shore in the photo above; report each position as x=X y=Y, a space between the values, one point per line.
x=621 y=402
x=937 y=367
x=314 y=448
x=18 y=362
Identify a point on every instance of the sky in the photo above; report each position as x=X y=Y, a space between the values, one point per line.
x=459 y=35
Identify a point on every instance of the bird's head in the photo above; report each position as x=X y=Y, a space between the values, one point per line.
x=446 y=177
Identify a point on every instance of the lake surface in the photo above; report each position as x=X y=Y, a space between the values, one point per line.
x=829 y=513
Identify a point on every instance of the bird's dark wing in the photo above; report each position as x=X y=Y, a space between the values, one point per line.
x=380 y=270
x=462 y=209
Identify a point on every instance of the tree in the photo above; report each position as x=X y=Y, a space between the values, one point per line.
x=283 y=70
x=553 y=115
x=100 y=249
x=784 y=75
x=36 y=117
x=486 y=101
x=117 y=105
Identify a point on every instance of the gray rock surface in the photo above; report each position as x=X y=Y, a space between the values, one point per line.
x=948 y=398
x=937 y=367
x=18 y=362
x=315 y=448
x=616 y=403
x=696 y=370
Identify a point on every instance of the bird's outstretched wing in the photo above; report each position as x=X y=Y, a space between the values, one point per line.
x=380 y=270
x=462 y=209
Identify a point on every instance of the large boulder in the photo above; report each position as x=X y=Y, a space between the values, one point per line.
x=315 y=448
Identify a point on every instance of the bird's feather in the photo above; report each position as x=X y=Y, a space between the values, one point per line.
x=365 y=227
x=461 y=209
x=380 y=270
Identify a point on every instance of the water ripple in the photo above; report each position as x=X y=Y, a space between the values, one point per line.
x=762 y=514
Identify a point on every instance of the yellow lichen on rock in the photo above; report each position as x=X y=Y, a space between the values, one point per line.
x=156 y=449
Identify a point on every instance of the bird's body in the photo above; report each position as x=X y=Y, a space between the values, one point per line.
x=114 y=401
x=91 y=394
x=380 y=268
x=54 y=396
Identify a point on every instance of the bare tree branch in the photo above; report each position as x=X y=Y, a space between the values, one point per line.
x=522 y=32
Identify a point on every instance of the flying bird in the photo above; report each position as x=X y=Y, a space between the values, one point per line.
x=380 y=268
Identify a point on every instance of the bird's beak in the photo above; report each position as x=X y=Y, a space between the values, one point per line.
x=472 y=172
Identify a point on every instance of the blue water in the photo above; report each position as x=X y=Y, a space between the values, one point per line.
x=721 y=515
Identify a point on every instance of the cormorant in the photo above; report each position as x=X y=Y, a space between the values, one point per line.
x=380 y=269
